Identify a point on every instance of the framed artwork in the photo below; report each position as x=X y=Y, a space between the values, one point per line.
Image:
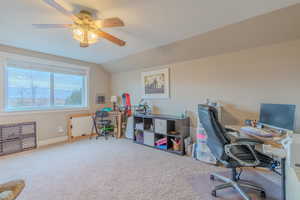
x=156 y=84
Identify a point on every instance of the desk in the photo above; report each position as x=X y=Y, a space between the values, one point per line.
x=118 y=116
x=268 y=141
x=85 y=124
x=274 y=144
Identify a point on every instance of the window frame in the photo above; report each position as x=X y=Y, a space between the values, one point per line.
x=51 y=107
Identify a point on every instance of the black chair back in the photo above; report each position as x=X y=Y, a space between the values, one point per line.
x=216 y=138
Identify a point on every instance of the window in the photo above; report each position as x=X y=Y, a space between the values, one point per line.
x=68 y=90
x=32 y=89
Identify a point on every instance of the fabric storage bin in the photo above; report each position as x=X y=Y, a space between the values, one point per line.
x=28 y=129
x=11 y=146
x=139 y=136
x=149 y=138
x=1 y=151
x=17 y=137
x=139 y=126
x=28 y=143
x=160 y=126
x=10 y=132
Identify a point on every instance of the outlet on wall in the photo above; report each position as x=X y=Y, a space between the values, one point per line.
x=60 y=129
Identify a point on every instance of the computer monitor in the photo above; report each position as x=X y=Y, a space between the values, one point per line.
x=280 y=116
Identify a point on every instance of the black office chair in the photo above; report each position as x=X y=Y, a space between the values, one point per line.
x=241 y=153
x=104 y=125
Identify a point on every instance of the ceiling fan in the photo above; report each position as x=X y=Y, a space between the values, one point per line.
x=85 y=28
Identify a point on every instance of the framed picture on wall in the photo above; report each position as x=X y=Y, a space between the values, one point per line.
x=156 y=84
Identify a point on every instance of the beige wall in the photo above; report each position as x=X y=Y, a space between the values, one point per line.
x=47 y=121
x=240 y=81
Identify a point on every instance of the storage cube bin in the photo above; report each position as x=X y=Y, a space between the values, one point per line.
x=28 y=129
x=139 y=137
x=149 y=138
x=160 y=126
x=17 y=137
x=10 y=132
x=139 y=126
x=11 y=146
x=28 y=143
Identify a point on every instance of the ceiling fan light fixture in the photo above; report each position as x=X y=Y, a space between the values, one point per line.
x=85 y=28
x=78 y=32
x=79 y=35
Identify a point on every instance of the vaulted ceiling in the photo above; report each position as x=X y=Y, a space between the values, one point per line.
x=149 y=24
x=275 y=27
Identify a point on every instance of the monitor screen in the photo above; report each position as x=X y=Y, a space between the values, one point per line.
x=278 y=115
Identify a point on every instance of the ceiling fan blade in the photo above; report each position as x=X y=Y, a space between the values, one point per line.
x=58 y=5
x=111 y=38
x=109 y=22
x=52 y=25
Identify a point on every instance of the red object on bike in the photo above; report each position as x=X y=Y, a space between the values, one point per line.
x=127 y=103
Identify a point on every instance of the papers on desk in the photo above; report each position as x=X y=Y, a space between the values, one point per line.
x=234 y=134
x=273 y=151
x=255 y=131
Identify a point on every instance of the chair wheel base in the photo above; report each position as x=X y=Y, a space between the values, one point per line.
x=214 y=193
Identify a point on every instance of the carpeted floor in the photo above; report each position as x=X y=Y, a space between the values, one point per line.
x=105 y=170
x=272 y=188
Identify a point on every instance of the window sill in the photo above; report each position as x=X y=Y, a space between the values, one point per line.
x=41 y=111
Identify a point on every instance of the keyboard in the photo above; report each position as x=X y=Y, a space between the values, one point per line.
x=256 y=131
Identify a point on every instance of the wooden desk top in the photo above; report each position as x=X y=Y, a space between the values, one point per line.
x=269 y=141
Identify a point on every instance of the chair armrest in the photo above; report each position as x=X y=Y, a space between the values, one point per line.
x=228 y=152
x=246 y=141
x=231 y=130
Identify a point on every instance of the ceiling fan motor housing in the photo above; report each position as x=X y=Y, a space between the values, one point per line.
x=85 y=21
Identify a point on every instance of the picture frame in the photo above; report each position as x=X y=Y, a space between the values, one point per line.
x=155 y=84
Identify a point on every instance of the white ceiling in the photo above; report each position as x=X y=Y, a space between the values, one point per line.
x=275 y=27
x=149 y=23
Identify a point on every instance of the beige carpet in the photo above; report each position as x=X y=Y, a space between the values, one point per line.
x=104 y=170
x=273 y=188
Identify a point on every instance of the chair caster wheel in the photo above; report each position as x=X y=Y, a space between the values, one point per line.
x=212 y=177
x=214 y=193
x=263 y=194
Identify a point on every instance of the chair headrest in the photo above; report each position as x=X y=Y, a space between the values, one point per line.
x=207 y=108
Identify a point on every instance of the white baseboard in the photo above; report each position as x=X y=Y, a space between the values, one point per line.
x=52 y=141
